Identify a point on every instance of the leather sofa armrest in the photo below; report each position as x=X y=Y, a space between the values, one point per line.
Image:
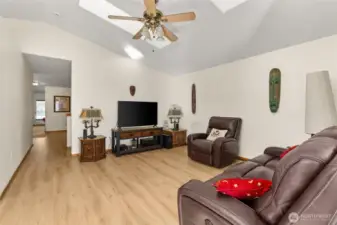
x=232 y=210
x=192 y=137
x=274 y=151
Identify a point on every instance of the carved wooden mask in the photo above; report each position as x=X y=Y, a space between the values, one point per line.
x=194 y=99
x=274 y=89
x=132 y=90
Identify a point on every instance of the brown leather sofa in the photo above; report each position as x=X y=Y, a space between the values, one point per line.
x=304 y=190
x=221 y=152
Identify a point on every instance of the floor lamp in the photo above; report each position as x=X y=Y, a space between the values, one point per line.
x=320 y=109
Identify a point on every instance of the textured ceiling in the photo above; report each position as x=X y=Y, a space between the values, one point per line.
x=251 y=28
x=49 y=71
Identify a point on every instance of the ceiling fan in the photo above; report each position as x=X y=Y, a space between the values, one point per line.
x=153 y=20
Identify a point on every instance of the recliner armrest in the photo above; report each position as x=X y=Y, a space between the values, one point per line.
x=274 y=151
x=230 y=209
x=224 y=151
x=192 y=137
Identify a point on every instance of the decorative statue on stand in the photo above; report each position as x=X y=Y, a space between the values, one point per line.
x=91 y=116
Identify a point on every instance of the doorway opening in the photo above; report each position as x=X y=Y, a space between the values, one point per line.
x=40 y=112
x=51 y=81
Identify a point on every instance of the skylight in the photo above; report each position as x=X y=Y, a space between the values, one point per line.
x=103 y=9
x=226 y=5
x=133 y=53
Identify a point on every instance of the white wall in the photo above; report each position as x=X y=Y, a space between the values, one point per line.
x=55 y=121
x=99 y=78
x=16 y=97
x=240 y=89
x=39 y=96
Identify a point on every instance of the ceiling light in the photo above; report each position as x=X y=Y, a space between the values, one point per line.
x=35 y=83
x=133 y=52
x=225 y=6
x=103 y=9
x=160 y=39
x=146 y=33
x=160 y=32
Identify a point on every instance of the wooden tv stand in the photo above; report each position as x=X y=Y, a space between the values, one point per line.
x=135 y=133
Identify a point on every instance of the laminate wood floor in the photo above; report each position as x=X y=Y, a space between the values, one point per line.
x=39 y=131
x=53 y=188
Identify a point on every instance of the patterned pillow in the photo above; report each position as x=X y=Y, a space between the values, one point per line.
x=243 y=188
x=215 y=133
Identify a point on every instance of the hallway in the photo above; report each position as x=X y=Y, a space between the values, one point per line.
x=39 y=131
x=53 y=188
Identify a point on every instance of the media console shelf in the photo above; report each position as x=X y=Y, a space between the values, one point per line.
x=137 y=133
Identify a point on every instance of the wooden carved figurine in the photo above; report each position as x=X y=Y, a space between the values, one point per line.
x=274 y=89
x=194 y=99
x=132 y=90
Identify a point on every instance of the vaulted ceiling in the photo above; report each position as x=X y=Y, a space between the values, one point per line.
x=217 y=36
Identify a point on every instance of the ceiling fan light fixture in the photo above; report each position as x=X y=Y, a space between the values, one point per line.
x=146 y=33
x=159 y=31
x=160 y=39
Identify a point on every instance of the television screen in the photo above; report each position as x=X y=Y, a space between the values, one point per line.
x=132 y=114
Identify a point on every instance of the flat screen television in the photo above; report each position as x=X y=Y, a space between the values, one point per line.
x=132 y=114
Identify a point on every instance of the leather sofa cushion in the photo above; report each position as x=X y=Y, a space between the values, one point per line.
x=260 y=172
x=330 y=132
x=267 y=160
x=272 y=164
x=293 y=175
x=315 y=198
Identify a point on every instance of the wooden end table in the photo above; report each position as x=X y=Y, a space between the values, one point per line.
x=92 y=150
x=178 y=137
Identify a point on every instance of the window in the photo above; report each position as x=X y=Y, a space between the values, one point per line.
x=40 y=110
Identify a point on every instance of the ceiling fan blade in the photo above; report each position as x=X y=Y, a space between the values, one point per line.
x=150 y=7
x=167 y=33
x=125 y=18
x=138 y=35
x=181 y=17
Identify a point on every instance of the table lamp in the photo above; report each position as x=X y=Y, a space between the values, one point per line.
x=320 y=110
x=91 y=115
x=175 y=114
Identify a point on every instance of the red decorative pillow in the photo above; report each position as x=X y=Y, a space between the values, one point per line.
x=287 y=151
x=243 y=188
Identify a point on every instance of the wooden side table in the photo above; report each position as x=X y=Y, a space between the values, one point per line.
x=92 y=150
x=178 y=137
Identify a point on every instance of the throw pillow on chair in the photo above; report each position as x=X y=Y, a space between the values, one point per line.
x=216 y=133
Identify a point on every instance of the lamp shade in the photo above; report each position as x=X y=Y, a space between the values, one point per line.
x=91 y=113
x=175 y=112
x=320 y=110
